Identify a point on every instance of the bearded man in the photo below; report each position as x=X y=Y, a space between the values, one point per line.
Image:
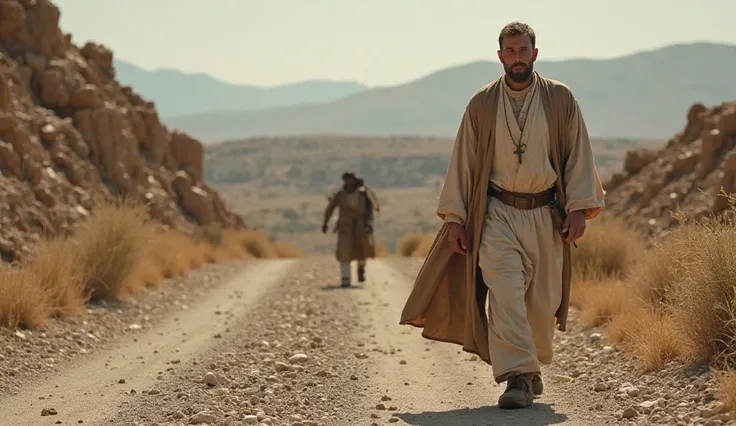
x=354 y=225
x=520 y=185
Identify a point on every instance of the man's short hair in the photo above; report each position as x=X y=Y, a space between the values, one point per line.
x=517 y=28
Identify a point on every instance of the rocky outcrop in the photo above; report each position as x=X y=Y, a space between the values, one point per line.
x=70 y=133
x=688 y=174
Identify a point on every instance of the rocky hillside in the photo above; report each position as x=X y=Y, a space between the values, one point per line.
x=689 y=172
x=70 y=133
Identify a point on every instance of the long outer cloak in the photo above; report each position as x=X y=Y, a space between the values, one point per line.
x=449 y=296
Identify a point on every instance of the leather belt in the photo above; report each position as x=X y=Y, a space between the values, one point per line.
x=523 y=201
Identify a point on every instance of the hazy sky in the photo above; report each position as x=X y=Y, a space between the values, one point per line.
x=377 y=42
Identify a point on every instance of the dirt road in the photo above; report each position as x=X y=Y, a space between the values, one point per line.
x=282 y=344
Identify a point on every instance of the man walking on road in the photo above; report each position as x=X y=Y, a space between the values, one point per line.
x=520 y=185
x=354 y=225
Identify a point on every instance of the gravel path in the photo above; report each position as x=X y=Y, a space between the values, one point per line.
x=27 y=357
x=281 y=344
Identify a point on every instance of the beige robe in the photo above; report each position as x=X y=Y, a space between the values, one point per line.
x=449 y=295
x=353 y=242
x=520 y=254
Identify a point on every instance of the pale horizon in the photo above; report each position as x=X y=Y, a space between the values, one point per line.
x=381 y=43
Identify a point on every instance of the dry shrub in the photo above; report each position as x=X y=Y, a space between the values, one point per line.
x=600 y=300
x=408 y=244
x=115 y=252
x=608 y=248
x=53 y=267
x=726 y=383
x=170 y=254
x=212 y=233
x=22 y=300
x=286 y=251
x=175 y=254
x=680 y=299
x=225 y=244
x=415 y=244
x=703 y=299
x=661 y=268
x=110 y=244
x=650 y=336
x=381 y=250
x=256 y=243
x=231 y=247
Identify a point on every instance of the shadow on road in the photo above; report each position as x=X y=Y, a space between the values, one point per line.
x=330 y=287
x=538 y=414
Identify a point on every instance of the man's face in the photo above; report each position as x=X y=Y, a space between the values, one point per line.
x=349 y=183
x=517 y=57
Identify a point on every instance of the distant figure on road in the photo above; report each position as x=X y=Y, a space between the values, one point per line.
x=519 y=187
x=354 y=226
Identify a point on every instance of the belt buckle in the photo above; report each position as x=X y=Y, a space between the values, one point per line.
x=522 y=204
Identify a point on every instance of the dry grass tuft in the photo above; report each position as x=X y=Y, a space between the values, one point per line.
x=54 y=268
x=703 y=299
x=650 y=336
x=599 y=300
x=114 y=253
x=678 y=301
x=408 y=244
x=415 y=244
x=170 y=254
x=381 y=250
x=22 y=300
x=286 y=251
x=609 y=248
x=256 y=244
x=726 y=382
x=110 y=244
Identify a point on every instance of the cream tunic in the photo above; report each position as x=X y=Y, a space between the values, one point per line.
x=520 y=255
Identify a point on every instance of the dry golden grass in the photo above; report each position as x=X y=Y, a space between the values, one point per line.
x=256 y=244
x=608 y=248
x=651 y=337
x=381 y=250
x=599 y=300
x=287 y=251
x=664 y=307
x=53 y=267
x=702 y=302
x=22 y=300
x=110 y=244
x=115 y=253
x=408 y=244
x=726 y=382
x=170 y=254
x=415 y=244
x=678 y=301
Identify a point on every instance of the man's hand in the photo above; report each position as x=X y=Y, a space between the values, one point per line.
x=574 y=225
x=324 y=228
x=458 y=239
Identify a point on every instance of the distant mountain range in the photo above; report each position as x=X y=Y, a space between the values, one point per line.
x=642 y=95
x=179 y=93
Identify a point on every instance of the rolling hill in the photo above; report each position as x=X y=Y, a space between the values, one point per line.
x=642 y=95
x=179 y=93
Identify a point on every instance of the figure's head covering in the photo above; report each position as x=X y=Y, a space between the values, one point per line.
x=349 y=175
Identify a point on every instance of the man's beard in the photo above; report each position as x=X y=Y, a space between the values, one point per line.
x=350 y=187
x=519 y=76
